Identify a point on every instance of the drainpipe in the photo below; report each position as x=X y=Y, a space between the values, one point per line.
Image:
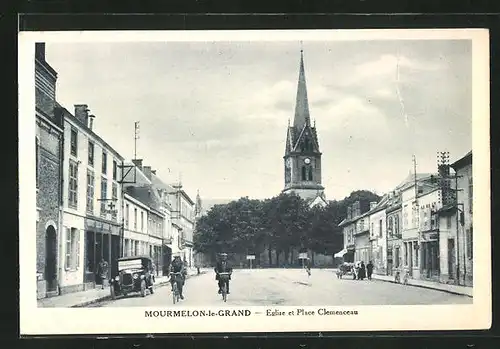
x=60 y=236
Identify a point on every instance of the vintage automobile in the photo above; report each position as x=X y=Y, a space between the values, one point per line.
x=135 y=274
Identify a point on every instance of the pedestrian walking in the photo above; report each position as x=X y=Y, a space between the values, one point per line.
x=102 y=271
x=369 y=270
x=362 y=271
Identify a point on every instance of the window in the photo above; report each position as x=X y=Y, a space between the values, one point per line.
x=310 y=170
x=142 y=221
x=73 y=184
x=448 y=222
x=135 y=219
x=74 y=142
x=304 y=173
x=372 y=229
x=115 y=170
x=91 y=153
x=114 y=196
x=90 y=191
x=37 y=159
x=396 y=225
x=104 y=162
x=126 y=215
x=104 y=194
x=380 y=228
x=72 y=253
x=470 y=194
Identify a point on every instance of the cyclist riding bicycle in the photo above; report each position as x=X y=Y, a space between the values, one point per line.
x=223 y=266
x=177 y=266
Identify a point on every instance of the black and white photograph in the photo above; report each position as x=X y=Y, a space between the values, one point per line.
x=254 y=181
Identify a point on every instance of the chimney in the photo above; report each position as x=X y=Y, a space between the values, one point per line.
x=138 y=163
x=372 y=205
x=82 y=113
x=147 y=171
x=349 y=212
x=91 y=122
x=40 y=51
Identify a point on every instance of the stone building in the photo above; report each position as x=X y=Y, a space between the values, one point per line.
x=393 y=232
x=378 y=236
x=455 y=227
x=302 y=159
x=92 y=197
x=48 y=164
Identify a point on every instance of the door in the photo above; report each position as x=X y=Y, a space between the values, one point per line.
x=51 y=258
x=115 y=254
x=410 y=259
x=90 y=260
x=451 y=259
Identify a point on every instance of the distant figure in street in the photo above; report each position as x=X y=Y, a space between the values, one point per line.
x=369 y=270
x=102 y=271
x=308 y=267
x=223 y=266
x=362 y=271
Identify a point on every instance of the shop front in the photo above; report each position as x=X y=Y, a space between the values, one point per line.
x=102 y=242
x=429 y=254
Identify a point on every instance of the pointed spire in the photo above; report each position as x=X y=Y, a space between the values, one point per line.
x=301 y=105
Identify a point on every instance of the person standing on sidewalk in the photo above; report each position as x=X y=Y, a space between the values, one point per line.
x=362 y=271
x=369 y=270
x=102 y=271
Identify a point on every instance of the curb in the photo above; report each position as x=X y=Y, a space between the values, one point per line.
x=105 y=298
x=426 y=287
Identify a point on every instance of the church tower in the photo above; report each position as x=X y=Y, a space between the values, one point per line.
x=302 y=158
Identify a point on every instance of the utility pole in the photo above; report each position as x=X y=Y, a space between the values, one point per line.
x=136 y=137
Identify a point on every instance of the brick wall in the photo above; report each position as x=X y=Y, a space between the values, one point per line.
x=47 y=199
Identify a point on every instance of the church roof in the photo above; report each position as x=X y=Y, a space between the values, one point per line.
x=301 y=117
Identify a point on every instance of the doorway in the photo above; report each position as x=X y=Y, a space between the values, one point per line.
x=51 y=258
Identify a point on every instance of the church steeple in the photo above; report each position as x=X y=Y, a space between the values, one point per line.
x=302 y=157
x=301 y=117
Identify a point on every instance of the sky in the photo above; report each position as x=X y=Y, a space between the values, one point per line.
x=214 y=114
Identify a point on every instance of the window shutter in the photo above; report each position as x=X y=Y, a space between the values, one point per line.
x=67 y=252
x=77 y=248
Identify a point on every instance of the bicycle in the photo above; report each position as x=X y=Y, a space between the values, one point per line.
x=224 y=277
x=176 y=295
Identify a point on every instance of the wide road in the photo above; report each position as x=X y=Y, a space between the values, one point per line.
x=266 y=287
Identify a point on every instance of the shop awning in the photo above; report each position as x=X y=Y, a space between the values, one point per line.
x=340 y=254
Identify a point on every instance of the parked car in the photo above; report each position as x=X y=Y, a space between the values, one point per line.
x=135 y=274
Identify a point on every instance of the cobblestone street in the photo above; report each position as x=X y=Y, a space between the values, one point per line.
x=267 y=287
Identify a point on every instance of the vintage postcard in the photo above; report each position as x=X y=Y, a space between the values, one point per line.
x=254 y=181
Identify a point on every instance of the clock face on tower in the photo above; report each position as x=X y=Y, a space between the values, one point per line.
x=307 y=161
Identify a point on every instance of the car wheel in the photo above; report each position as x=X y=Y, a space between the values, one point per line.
x=112 y=290
x=143 y=288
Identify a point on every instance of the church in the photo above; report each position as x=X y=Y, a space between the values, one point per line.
x=302 y=159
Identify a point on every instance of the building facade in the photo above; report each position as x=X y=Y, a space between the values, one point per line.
x=393 y=232
x=302 y=159
x=92 y=202
x=456 y=227
x=48 y=167
x=378 y=236
x=183 y=220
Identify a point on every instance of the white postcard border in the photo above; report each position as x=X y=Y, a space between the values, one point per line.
x=34 y=320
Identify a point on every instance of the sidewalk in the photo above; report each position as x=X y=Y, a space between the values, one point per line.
x=454 y=289
x=85 y=298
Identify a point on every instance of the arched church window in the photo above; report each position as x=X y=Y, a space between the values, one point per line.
x=304 y=178
x=310 y=170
